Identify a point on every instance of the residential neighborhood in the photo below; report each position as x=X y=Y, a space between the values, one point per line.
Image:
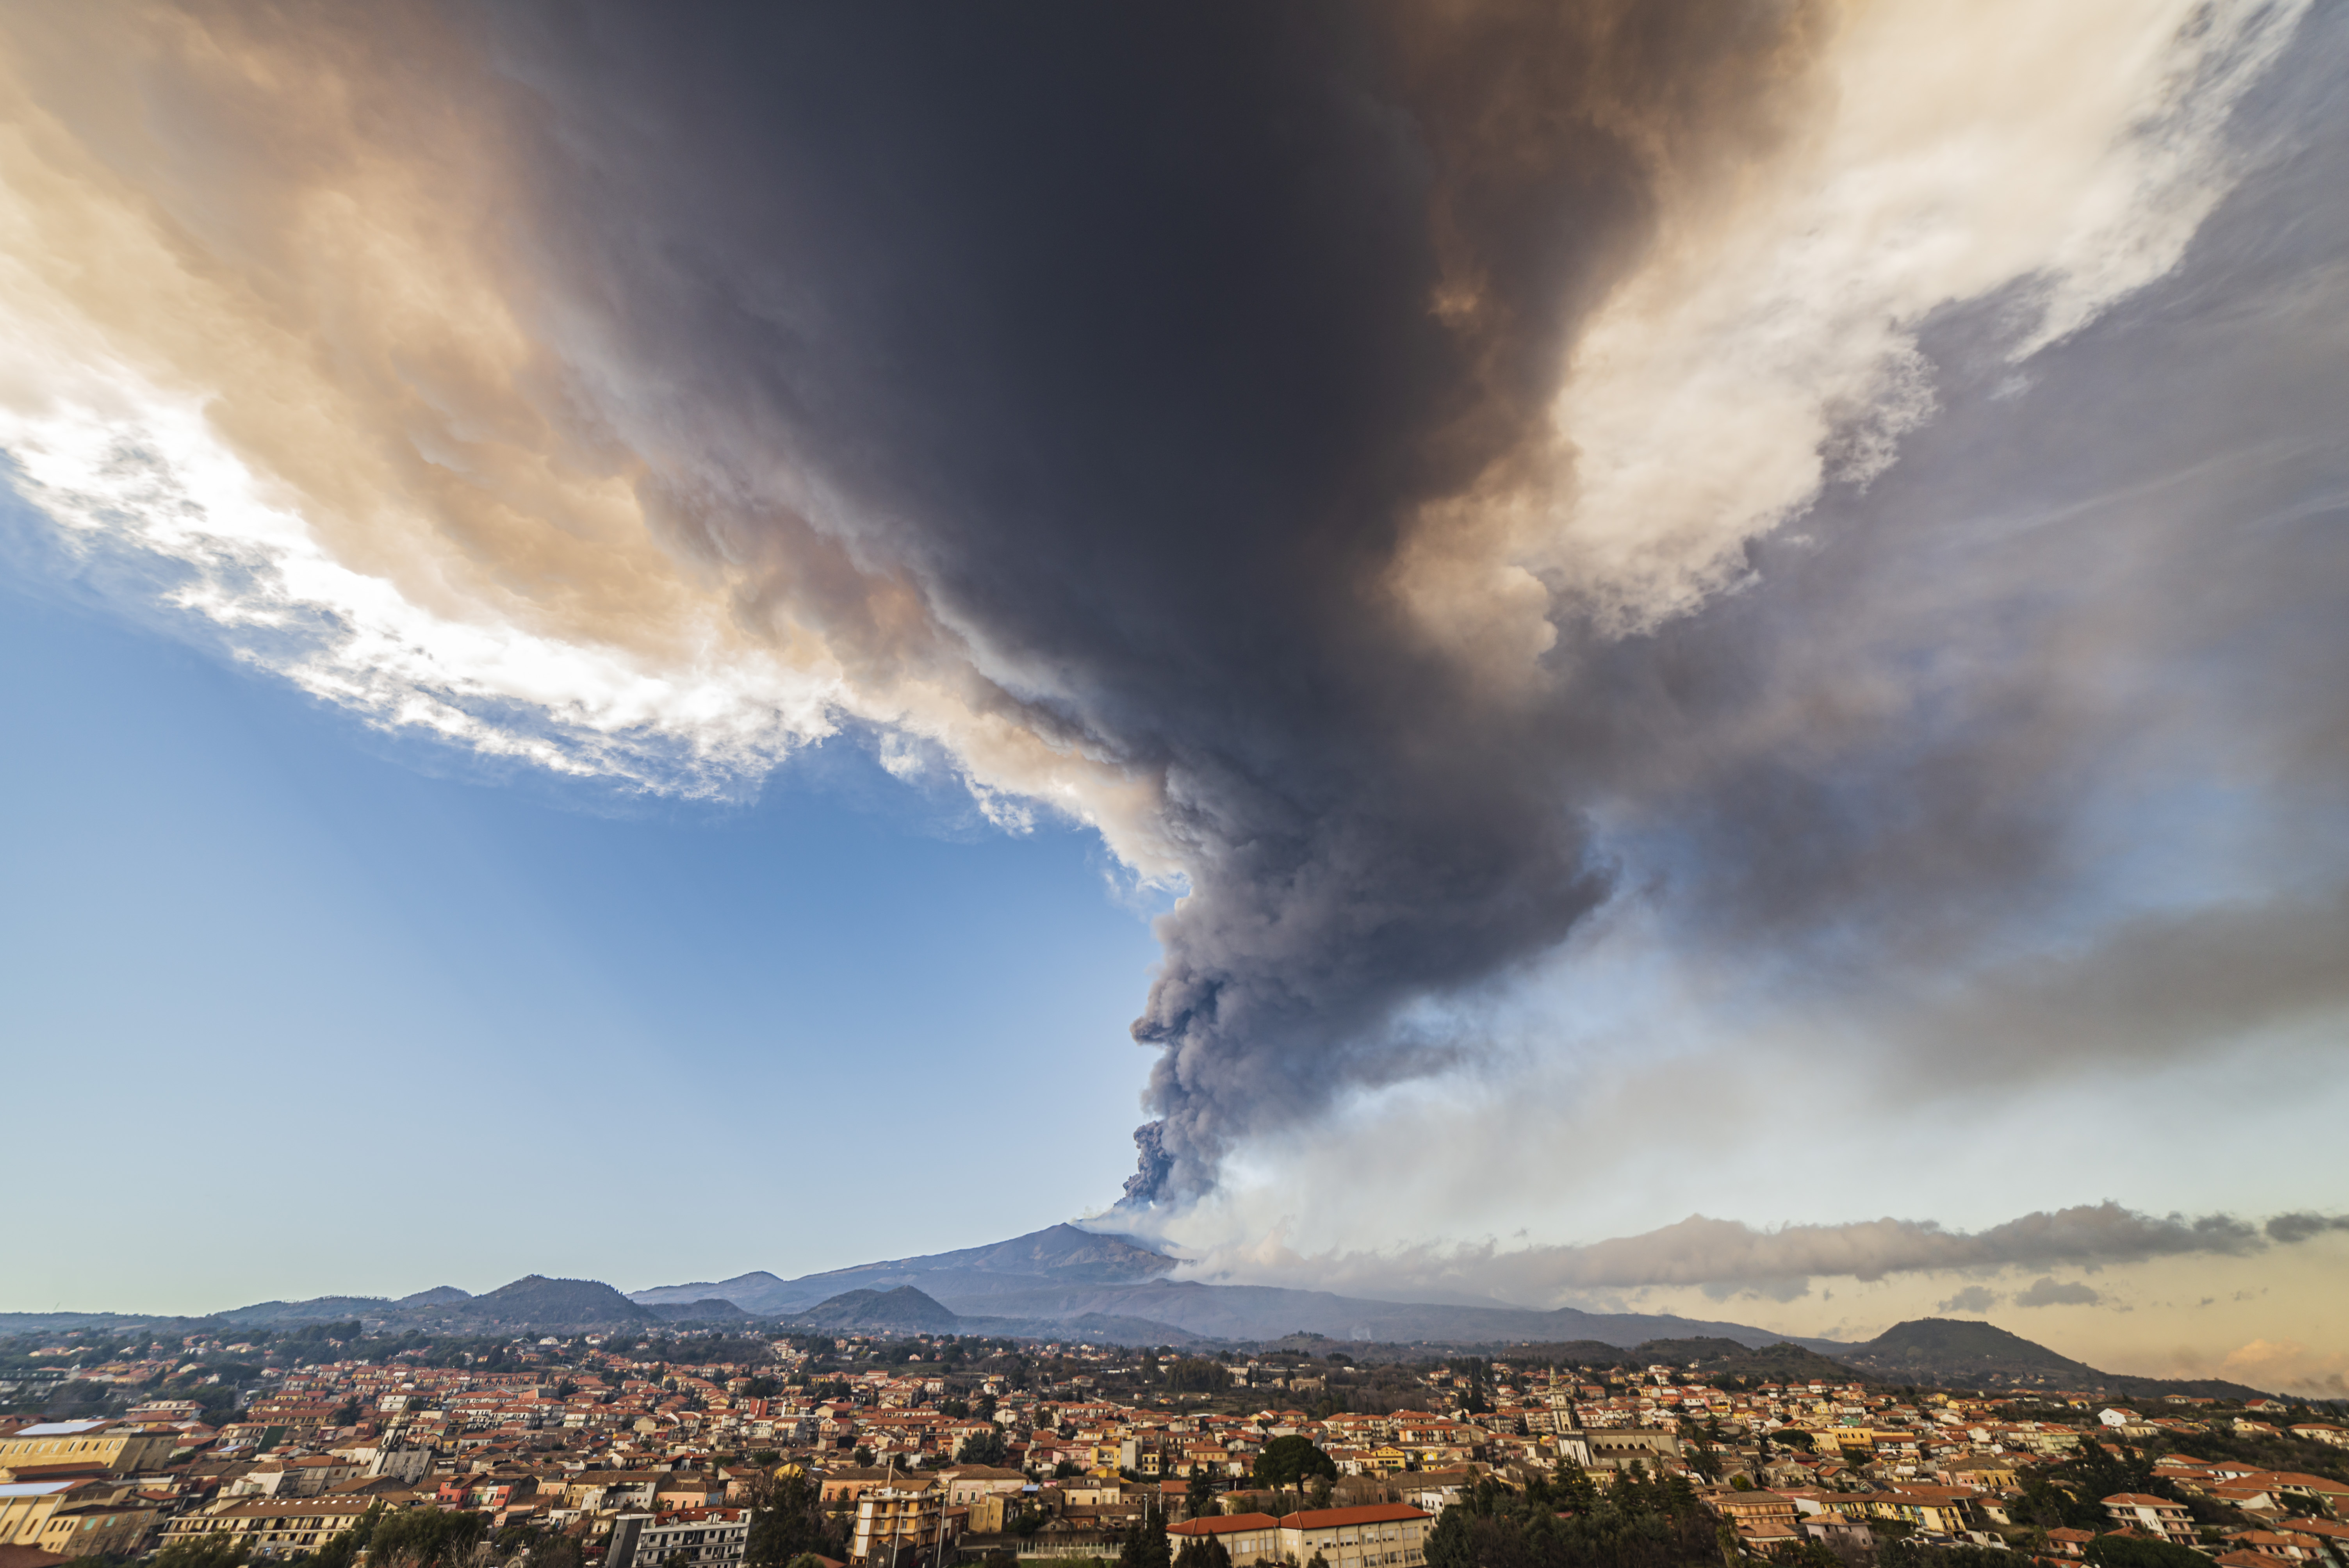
x=706 y=1449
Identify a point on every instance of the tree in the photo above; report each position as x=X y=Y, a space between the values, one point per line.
x=1474 y=1375
x=1202 y=1551
x=790 y=1522
x=1285 y=1462
x=343 y=1549
x=2123 y=1551
x=423 y=1537
x=1638 y=1522
x=224 y=1550
x=1197 y=1374
x=1145 y=1544
x=985 y=1448
x=1199 y=1492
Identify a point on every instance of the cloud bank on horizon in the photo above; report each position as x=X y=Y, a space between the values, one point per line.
x=1850 y=492
x=1728 y=1257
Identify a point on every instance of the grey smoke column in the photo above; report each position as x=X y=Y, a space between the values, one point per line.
x=1117 y=326
x=1109 y=352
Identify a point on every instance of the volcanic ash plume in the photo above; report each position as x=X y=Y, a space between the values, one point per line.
x=1333 y=452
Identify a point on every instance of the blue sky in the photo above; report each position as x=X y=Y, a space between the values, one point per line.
x=309 y=1009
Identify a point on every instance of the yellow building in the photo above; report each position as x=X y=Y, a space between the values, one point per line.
x=896 y=1524
x=1378 y=1535
x=94 y=1529
x=118 y=1449
x=26 y=1507
x=277 y=1528
x=1246 y=1538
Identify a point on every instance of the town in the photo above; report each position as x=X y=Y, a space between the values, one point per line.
x=722 y=1447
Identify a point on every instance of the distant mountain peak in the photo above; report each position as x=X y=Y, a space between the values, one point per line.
x=1061 y=1255
x=439 y=1296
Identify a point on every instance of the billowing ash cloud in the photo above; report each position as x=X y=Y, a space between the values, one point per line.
x=1406 y=474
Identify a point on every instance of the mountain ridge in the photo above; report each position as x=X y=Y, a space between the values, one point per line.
x=1063 y=1272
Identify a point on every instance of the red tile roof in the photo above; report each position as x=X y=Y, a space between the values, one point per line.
x=1223 y=1524
x=1337 y=1518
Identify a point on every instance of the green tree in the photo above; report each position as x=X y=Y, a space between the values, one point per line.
x=343 y=1549
x=222 y=1549
x=790 y=1522
x=1202 y=1551
x=985 y=1448
x=1638 y=1522
x=423 y=1537
x=1199 y=1492
x=2123 y=1551
x=1285 y=1462
x=1198 y=1374
x=1145 y=1544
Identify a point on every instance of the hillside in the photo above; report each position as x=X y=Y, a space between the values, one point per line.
x=1960 y=1354
x=317 y=1309
x=709 y=1309
x=534 y=1301
x=439 y=1296
x=903 y=1310
x=1943 y=1346
x=1782 y=1362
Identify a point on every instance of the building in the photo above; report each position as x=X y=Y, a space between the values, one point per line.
x=273 y=1529
x=94 y=1529
x=1376 y=1535
x=1838 y=1530
x=693 y=1537
x=2157 y=1516
x=1941 y=1510
x=897 y=1525
x=1743 y=1508
x=26 y=1507
x=113 y=1447
x=968 y=1484
x=1620 y=1447
x=1246 y=1537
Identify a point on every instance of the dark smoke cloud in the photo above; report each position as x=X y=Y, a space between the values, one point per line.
x=1097 y=360
x=1117 y=327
